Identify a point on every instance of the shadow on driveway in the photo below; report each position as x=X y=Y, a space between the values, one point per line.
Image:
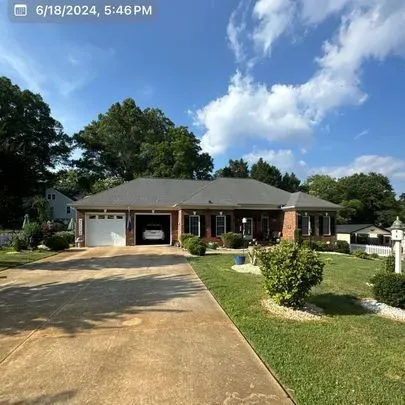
x=131 y=261
x=82 y=305
x=60 y=398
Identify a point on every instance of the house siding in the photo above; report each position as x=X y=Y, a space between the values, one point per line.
x=59 y=204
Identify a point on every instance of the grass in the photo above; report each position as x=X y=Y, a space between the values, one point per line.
x=8 y=258
x=353 y=357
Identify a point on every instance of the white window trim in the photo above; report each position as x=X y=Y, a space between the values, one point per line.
x=309 y=227
x=199 y=223
x=330 y=226
x=216 y=224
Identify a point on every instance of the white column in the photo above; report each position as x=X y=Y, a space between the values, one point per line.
x=398 y=256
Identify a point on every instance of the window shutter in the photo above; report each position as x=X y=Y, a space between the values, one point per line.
x=312 y=219
x=300 y=222
x=186 y=224
x=202 y=226
x=320 y=225
x=228 y=223
x=333 y=225
x=213 y=226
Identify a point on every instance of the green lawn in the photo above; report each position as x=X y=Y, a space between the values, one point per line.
x=351 y=358
x=10 y=259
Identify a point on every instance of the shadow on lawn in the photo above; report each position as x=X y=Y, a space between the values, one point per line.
x=43 y=399
x=87 y=304
x=338 y=304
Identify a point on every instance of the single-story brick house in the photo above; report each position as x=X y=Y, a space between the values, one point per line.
x=118 y=216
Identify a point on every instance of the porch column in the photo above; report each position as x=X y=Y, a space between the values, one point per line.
x=208 y=231
x=180 y=224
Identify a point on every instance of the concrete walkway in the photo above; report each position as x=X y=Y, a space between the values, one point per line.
x=122 y=326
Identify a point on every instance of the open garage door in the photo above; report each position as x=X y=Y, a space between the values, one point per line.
x=153 y=229
x=105 y=230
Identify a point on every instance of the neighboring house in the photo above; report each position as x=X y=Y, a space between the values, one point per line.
x=363 y=234
x=60 y=204
x=119 y=216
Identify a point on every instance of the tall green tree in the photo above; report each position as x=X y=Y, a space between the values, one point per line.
x=127 y=142
x=32 y=144
x=290 y=182
x=235 y=168
x=325 y=187
x=266 y=173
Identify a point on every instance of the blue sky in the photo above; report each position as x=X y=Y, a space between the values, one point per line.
x=313 y=87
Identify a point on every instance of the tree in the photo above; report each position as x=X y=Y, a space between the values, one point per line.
x=74 y=182
x=290 y=182
x=126 y=142
x=32 y=143
x=266 y=173
x=38 y=209
x=236 y=168
x=375 y=192
x=104 y=184
x=325 y=187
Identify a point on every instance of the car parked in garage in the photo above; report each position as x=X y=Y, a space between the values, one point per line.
x=153 y=232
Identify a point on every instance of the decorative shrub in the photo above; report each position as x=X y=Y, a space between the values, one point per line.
x=33 y=234
x=298 y=236
x=389 y=288
x=361 y=255
x=196 y=246
x=290 y=272
x=342 y=246
x=374 y=256
x=388 y=264
x=184 y=237
x=56 y=243
x=68 y=235
x=232 y=240
x=212 y=245
x=19 y=242
x=320 y=246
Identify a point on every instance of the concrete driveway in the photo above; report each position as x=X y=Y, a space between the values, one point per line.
x=122 y=326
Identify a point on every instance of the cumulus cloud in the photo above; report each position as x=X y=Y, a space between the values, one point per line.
x=386 y=165
x=289 y=112
x=284 y=159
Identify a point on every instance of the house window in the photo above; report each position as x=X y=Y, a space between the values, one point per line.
x=53 y=196
x=306 y=225
x=220 y=224
x=249 y=228
x=92 y=217
x=101 y=217
x=119 y=217
x=49 y=196
x=110 y=216
x=194 y=225
x=326 y=230
x=68 y=209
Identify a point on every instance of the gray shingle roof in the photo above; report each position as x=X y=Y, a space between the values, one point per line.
x=350 y=228
x=303 y=200
x=224 y=192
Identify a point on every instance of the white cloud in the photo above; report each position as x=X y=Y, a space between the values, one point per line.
x=275 y=17
x=304 y=151
x=284 y=159
x=361 y=134
x=286 y=112
x=386 y=165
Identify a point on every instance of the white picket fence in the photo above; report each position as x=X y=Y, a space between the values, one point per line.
x=370 y=249
x=5 y=239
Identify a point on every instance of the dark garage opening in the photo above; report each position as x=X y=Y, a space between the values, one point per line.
x=142 y=222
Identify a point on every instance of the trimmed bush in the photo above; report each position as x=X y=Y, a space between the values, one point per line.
x=290 y=272
x=19 y=242
x=388 y=264
x=232 y=240
x=342 y=246
x=361 y=255
x=212 y=245
x=389 y=288
x=184 y=237
x=56 y=243
x=68 y=235
x=298 y=236
x=374 y=256
x=320 y=246
x=196 y=246
x=33 y=234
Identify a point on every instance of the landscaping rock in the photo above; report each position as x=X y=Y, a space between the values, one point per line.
x=384 y=310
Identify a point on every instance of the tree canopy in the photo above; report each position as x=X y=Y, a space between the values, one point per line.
x=32 y=143
x=127 y=142
x=235 y=168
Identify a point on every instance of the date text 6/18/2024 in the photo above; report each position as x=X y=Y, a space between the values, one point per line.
x=53 y=12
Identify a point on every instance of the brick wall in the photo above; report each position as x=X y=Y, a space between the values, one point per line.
x=289 y=225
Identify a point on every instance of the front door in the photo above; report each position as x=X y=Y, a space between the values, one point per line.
x=249 y=229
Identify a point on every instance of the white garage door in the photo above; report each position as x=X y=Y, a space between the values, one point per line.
x=105 y=230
